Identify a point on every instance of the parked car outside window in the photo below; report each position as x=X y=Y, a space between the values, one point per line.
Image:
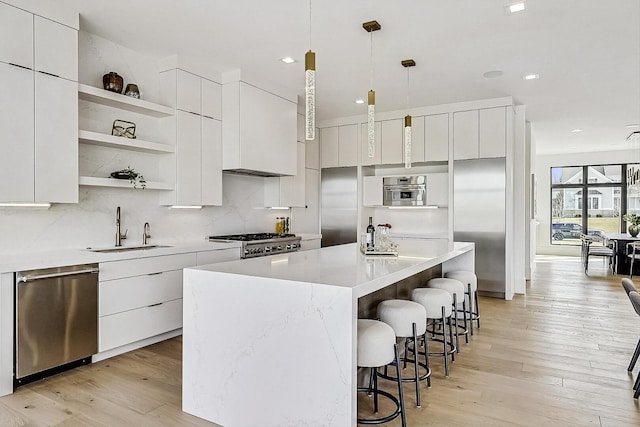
x=568 y=230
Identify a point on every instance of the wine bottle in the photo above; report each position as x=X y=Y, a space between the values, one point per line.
x=371 y=242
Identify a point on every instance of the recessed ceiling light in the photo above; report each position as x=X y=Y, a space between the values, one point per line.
x=492 y=74
x=576 y=131
x=531 y=77
x=515 y=7
x=288 y=60
x=359 y=101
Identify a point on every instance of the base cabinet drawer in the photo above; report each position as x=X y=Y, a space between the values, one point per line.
x=140 y=266
x=130 y=293
x=221 y=255
x=124 y=328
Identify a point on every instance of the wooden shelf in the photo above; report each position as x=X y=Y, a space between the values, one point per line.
x=123 y=102
x=103 y=140
x=93 y=181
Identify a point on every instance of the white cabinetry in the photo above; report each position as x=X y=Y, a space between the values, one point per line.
x=39 y=108
x=372 y=191
x=417 y=140
x=198 y=130
x=492 y=132
x=307 y=245
x=392 y=141
x=436 y=138
x=438 y=189
x=287 y=190
x=479 y=133
x=339 y=146
x=220 y=255
x=259 y=130
x=140 y=298
x=329 y=147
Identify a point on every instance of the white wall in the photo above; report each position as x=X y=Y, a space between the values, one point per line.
x=544 y=164
x=91 y=222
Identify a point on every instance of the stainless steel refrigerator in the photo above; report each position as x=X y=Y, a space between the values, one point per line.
x=339 y=206
x=479 y=191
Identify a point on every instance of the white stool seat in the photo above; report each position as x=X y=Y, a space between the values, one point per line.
x=453 y=286
x=376 y=341
x=433 y=300
x=466 y=277
x=401 y=315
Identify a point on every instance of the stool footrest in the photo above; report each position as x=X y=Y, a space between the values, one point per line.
x=385 y=419
x=409 y=379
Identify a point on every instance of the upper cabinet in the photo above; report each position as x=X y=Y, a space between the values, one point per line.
x=38 y=108
x=258 y=131
x=392 y=141
x=436 y=138
x=312 y=147
x=287 y=191
x=198 y=139
x=339 y=146
x=479 y=133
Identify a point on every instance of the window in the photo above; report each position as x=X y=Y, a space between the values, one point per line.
x=599 y=212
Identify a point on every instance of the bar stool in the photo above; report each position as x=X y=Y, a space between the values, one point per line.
x=470 y=280
x=377 y=348
x=635 y=302
x=438 y=306
x=629 y=287
x=409 y=321
x=456 y=289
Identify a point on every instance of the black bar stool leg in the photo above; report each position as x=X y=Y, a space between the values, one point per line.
x=634 y=359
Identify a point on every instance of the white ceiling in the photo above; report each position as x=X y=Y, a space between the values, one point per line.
x=587 y=53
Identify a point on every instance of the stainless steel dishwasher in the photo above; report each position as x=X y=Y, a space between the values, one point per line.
x=56 y=319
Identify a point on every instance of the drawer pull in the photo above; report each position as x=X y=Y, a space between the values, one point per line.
x=48 y=74
x=155 y=305
x=19 y=66
x=155 y=274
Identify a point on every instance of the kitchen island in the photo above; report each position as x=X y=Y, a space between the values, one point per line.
x=271 y=341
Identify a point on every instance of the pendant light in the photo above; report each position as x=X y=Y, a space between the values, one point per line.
x=370 y=27
x=310 y=88
x=407 y=63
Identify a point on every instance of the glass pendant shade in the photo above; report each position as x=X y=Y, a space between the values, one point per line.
x=407 y=141
x=310 y=94
x=371 y=125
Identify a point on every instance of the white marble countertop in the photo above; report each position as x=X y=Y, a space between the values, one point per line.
x=346 y=266
x=33 y=260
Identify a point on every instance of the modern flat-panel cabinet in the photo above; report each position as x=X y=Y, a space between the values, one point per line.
x=198 y=147
x=436 y=138
x=39 y=108
x=479 y=133
x=438 y=189
x=287 y=191
x=417 y=140
x=492 y=132
x=372 y=191
x=392 y=141
x=339 y=146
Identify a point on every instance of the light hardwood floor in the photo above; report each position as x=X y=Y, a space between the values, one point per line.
x=556 y=357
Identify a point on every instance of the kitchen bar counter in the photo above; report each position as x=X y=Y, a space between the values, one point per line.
x=271 y=341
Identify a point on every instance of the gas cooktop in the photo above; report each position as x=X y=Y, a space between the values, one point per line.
x=261 y=244
x=252 y=236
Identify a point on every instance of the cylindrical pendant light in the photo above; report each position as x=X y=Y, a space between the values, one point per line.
x=370 y=27
x=310 y=93
x=407 y=63
x=407 y=141
x=310 y=88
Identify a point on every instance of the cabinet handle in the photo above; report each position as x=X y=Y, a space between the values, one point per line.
x=48 y=74
x=19 y=66
x=155 y=274
x=155 y=305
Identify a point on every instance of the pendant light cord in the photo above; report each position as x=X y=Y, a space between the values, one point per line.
x=309 y=24
x=408 y=88
x=371 y=59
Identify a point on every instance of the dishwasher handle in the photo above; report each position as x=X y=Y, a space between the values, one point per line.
x=32 y=277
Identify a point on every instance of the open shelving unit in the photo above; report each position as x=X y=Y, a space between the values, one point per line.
x=126 y=103
x=92 y=181
x=103 y=140
x=123 y=102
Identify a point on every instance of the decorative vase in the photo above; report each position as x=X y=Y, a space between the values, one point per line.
x=634 y=230
x=112 y=82
x=132 y=91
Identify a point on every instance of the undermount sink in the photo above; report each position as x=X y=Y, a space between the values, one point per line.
x=129 y=248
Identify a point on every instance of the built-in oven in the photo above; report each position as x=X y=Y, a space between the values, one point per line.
x=404 y=190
